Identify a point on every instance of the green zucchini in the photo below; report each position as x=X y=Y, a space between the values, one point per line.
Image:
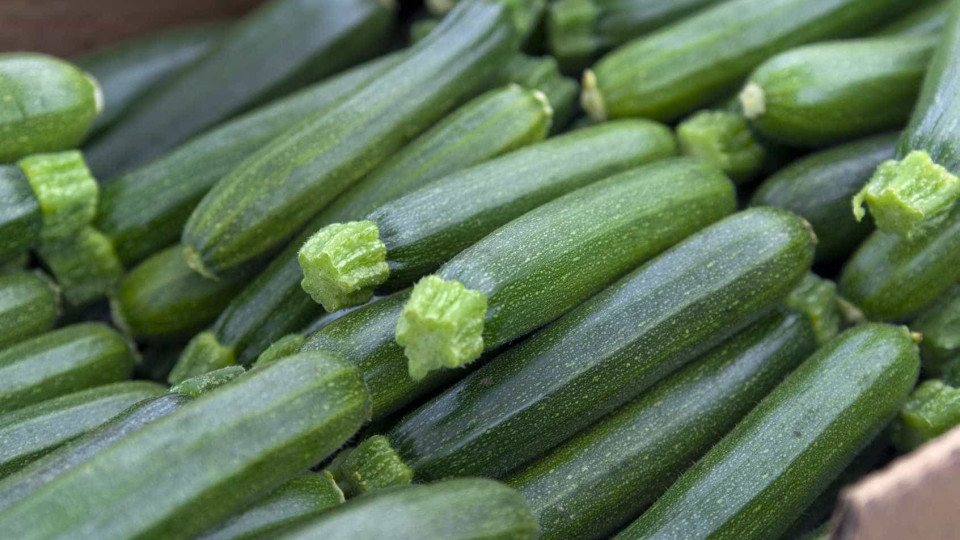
x=600 y=480
x=608 y=350
x=892 y=278
x=279 y=47
x=910 y=195
x=463 y=509
x=34 y=431
x=34 y=476
x=670 y=73
x=927 y=20
x=932 y=410
x=542 y=73
x=29 y=305
x=816 y=297
x=201 y=384
x=399 y=242
x=172 y=475
x=723 y=139
x=762 y=475
x=296 y=500
x=47 y=106
x=818 y=187
x=85 y=265
x=128 y=69
x=821 y=94
x=20 y=218
x=544 y=263
x=377 y=467
x=62 y=361
x=940 y=326
x=275 y=192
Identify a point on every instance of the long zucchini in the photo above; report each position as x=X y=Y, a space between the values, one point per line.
x=940 y=326
x=544 y=263
x=762 y=475
x=182 y=474
x=29 y=305
x=699 y=60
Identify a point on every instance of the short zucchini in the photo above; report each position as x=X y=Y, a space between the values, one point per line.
x=29 y=306
x=940 y=326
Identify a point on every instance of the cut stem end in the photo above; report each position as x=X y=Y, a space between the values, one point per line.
x=343 y=263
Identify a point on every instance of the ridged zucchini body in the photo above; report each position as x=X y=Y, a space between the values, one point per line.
x=277 y=48
x=62 y=361
x=544 y=263
x=940 y=326
x=34 y=431
x=819 y=187
x=608 y=350
x=699 y=60
x=187 y=471
x=34 y=476
x=762 y=475
x=600 y=480
x=29 y=306
x=463 y=509
x=20 y=219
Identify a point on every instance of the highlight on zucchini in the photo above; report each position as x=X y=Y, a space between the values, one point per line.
x=933 y=409
x=29 y=306
x=722 y=139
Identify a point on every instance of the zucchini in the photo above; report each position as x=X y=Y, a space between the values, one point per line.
x=762 y=475
x=542 y=73
x=940 y=326
x=34 y=476
x=910 y=195
x=296 y=500
x=463 y=509
x=201 y=384
x=346 y=263
x=600 y=480
x=670 y=73
x=544 y=263
x=599 y=356
x=277 y=48
x=927 y=20
x=29 y=306
x=276 y=191
x=816 y=297
x=62 y=361
x=172 y=475
x=723 y=139
x=34 y=431
x=130 y=68
x=20 y=218
x=375 y=468
x=932 y=410
x=84 y=265
x=818 y=187
x=48 y=105
x=822 y=94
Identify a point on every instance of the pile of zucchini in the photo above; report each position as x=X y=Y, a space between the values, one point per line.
x=478 y=270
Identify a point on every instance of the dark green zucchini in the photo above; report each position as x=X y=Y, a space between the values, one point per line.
x=940 y=326
x=275 y=192
x=277 y=48
x=85 y=265
x=818 y=187
x=184 y=473
x=932 y=410
x=609 y=473
x=20 y=218
x=926 y=20
x=670 y=73
x=29 y=306
x=32 y=432
x=762 y=475
x=547 y=261
x=62 y=361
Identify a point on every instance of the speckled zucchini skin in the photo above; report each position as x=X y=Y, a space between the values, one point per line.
x=591 y=361
x=272 y=423
x=20 y=217
x=760 y=477
x=29 y=306
x=609 y=473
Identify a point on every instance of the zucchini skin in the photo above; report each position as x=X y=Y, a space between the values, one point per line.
x=29 y=306
x=34 y=431
x=819 y=187
x=272 y=423
x=612 y=471
x=277 y=48
x=60 y=362
x=588 y=363
x=940 y=326
x=276 y=191
x=462 y=509
x=20 y=217
x=923 y=21
x=29 y=479
x=786 y=451
x=699 y=60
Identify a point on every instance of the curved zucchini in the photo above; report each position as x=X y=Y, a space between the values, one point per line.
x=464 y=509
x=277 y=48
x=60 y=362
x=612 y=471
x=32 y=432
x=547 y=261
x=932 y=410
x=275 y=192
x=272 y=423
x=29 y=305
x=762 y=475
x=48 y=105
x=20 y=218
x=818 y=187
x=940 y=326
x=702 y=58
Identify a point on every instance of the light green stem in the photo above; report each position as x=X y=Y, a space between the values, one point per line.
x=817 y=298
x=342 y=263
x=201 y=384
x=722 y=139
x=85 y=265
x=202 y=355
x=373 y=465
x=65 y=189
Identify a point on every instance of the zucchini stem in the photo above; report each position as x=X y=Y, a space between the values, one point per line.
x=65 y=190
x=723 y=139
x=753 y=101
x=84 y=264
x=202 y=355
x=373 y=465
x=283 y=347
x=591 y=99
x=817 y=299
x=570 y=27
x=932 y=409
x=198 y=385
x=195 y=261
x=343 y=263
